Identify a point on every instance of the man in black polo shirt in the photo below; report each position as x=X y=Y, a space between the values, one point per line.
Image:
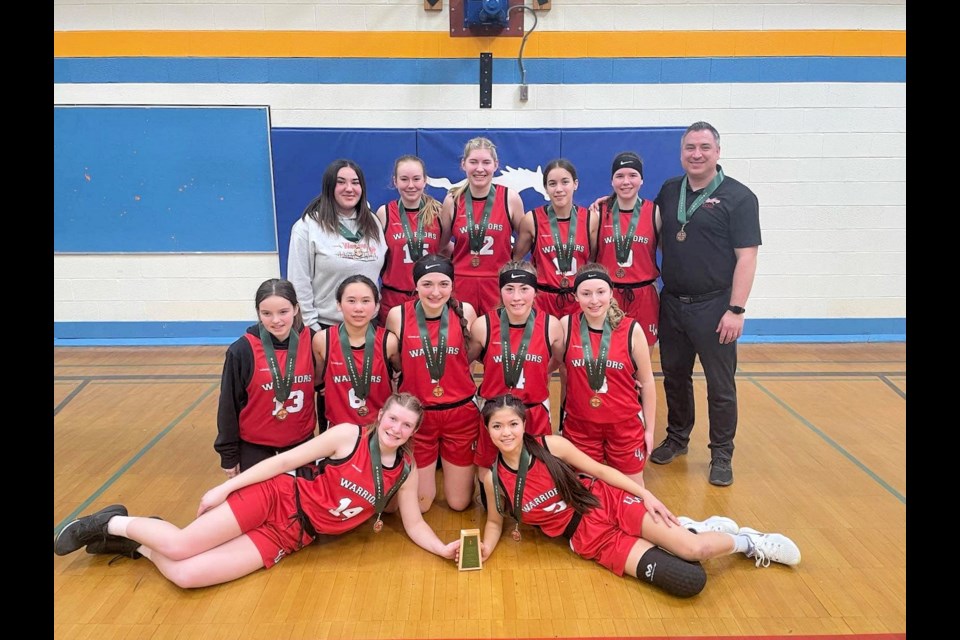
x=710 y=233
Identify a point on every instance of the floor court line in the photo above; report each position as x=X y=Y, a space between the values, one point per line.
x=70 y=396
x=892 y=385
x=146 y=448
x=833 y=443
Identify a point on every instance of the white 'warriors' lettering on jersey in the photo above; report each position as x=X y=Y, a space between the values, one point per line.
x=296 y=380
x=611 y=364
x=540 y=499
x=530 y=357
x=360 y=491
x=416 y=353
x=339 y=379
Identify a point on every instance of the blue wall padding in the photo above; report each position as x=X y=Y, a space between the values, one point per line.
x=162 y=179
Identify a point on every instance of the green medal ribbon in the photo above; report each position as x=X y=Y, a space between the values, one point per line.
x=513 y=363
x=683 y=213
x=477 y=232
x=525 y=459
x=623 y=243
x=435 y=356
x=361 y=383
x=281 y=384
x=414 y=240
x=596 y=368
x=381 y=502
x=564 y=249
x=346 y=234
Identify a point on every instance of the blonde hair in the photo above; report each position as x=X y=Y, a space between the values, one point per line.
x=407 y=401
x=474 y=144
x=431 y=206
x=614 y=313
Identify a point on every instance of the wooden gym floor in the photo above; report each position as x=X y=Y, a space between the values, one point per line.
x=821 y=457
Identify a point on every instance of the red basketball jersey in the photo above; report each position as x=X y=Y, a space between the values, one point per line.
x=398 y=265
x=340 y=398
x=258 y=421
x=457 y=380
x=496 y=249
x=619 y=396
x=343 y=495
x=541 y=504
x=533 y=386
x=544 y=251
x=641 y=264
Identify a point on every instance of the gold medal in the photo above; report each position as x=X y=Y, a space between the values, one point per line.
x=362 y=410
x=564 y=282
x=282 y=414
x=595 y=401
x=516 y=533
x=475 y=261
x=681 y=235
x=621 y=272
x=378 y=525
x=437 y=391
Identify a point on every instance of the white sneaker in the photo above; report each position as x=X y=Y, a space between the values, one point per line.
x=713 y=523
x=771 y=547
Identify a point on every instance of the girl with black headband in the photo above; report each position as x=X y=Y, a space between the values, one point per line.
x=519 y=347
x=548 y=483
x=352 y=357
x=431 y=356
x=562 y=237
x=605 y=357
x=627 y=244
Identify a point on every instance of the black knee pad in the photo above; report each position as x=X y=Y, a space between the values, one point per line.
x=483 y=497
x=674 y=575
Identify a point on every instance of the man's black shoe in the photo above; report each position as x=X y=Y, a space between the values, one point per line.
x=666 y=452
x=721 y=472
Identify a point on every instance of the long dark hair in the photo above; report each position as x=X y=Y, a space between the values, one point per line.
x=283 y=289
x=559 y=163
x=357 y=278
x=564 y=476
x=323 y=208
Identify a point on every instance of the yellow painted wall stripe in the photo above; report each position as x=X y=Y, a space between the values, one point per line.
x=419 y=44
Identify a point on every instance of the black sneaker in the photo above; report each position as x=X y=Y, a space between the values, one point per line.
x=117 y=545
x=721 y=472
x=85 y=530
x=666 y=452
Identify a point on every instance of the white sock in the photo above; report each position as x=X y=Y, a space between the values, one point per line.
x=118 y=525
x=742 y=543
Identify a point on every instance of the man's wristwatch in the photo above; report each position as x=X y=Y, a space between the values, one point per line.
x=735 y=309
